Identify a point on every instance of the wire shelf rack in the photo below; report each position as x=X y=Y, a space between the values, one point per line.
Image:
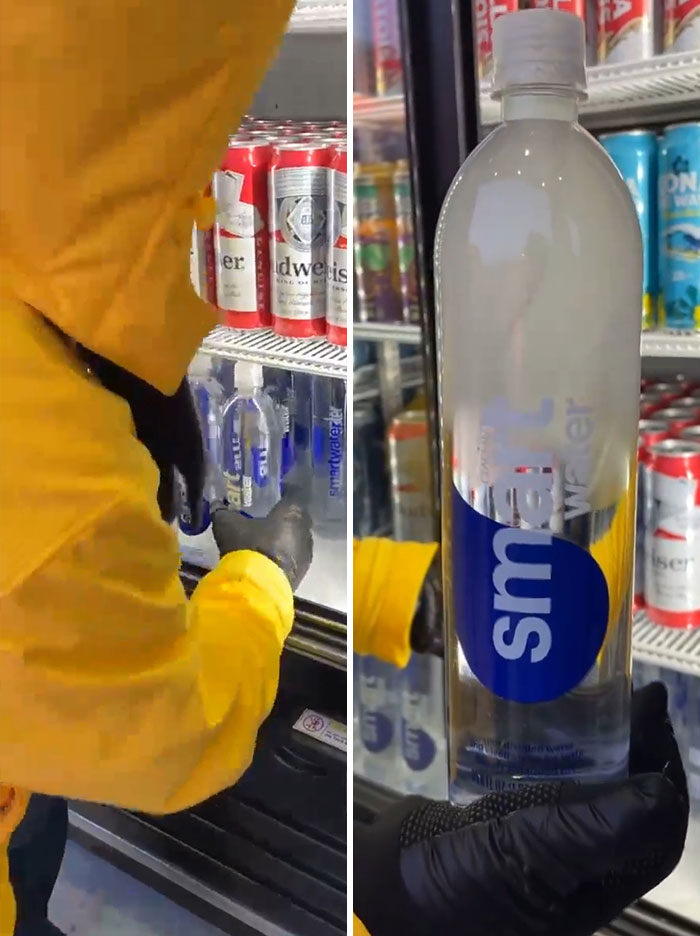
x=387 y=331
x=671 y=344
x=307 y=355
x=666 y=646
x=319 y=16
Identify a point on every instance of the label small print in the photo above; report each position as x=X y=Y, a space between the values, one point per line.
x=323 y=729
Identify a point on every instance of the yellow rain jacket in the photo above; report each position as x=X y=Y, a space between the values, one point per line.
x=113 y=687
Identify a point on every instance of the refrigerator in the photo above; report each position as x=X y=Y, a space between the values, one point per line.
x=269 y=854
x=421 y=100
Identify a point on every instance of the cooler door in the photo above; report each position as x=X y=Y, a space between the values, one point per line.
x=409 y=139
x=447 y=109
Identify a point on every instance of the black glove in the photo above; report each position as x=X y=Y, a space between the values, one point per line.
x=550 y=859
x=426 y=627
x=283 y=536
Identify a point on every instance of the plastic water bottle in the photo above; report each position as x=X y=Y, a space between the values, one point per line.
x=329 y=463
x=301 y=404
x=196 y=538
x=378 y=692
x=279 y=387
x=251 y=445
x=539 y=275
x=423 y=726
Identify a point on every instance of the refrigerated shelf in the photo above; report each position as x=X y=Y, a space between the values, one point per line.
x=669 y=647
x=325 y=584
x=374 y=111
x=671 y=344
x=307 y=355
x=387 y=331
x=319 y=16
x=663 y=89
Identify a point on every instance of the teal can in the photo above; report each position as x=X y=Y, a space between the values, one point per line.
x=635 y=153
x=679 y=213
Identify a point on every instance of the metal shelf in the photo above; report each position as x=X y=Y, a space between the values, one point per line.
x=307 y=355
x=671 y=344
x=666 y=646
x=663 y=89
x=319 y=16
x=387 y=331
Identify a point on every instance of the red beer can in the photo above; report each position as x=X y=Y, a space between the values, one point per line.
x=241 y=239
x=677 y=418
x=650 y=402
x=651 y=431
x=203 y=261
x=299 y=237
x=337 y=307
x=628 y=31
x=386 y=39
x=672 y=542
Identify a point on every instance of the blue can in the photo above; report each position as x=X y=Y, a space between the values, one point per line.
x=635 y=153
x=679 y=209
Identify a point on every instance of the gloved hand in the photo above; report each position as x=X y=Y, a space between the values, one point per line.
x=426 y=627
x=283 y=536
x=554 y=858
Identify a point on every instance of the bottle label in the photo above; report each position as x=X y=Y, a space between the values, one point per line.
x=530 y=608
x=260 y=465
x=335 y=461
x=187 y=522
x=418 y=747
x=377 y=701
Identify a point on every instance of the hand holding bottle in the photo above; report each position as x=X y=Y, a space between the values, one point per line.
x=284 y=536
x=551 y=858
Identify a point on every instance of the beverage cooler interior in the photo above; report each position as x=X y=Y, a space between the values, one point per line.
x=643 y=104
x=269 y=384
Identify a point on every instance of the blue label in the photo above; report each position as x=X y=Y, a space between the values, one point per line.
x=377 y=731
x=679 y=191
x=530 y=609
x=418 y=747
x=260 y=465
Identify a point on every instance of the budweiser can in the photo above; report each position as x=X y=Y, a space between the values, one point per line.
x=299 y=238
x=386 y=37
x=337 y=308
x=691 y=434
x=677 y=418
x=651 y=431
x=241 y=239
x=410 y=477
x=689 y=403
x=672 y=542
x=667 y=391
x=486 y=12
x=681 y=25
x=628 y=30
x=650 y=402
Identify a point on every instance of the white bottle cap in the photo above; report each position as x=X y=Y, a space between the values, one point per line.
x=539 y=47
x=248 y=376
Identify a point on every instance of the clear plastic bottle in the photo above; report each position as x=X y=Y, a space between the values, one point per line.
x=329 y=455
x=251 y=445
x=197 y=544
x=539 y=283
x=279 y=387
x=423 y=726
x=378 y=693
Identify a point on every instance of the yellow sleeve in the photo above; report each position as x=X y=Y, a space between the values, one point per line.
x=116 y=688
x=387 y=580
x=358 y=927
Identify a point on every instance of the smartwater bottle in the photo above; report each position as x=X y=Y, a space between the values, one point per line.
x=328 y=455
x=423 y=726
x=195 y=534
x=539 y=275
x=279 y=388
x=251 y=445
x=378 y=691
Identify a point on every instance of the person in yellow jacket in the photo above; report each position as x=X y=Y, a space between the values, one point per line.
x=548 y=859
x=115 y=688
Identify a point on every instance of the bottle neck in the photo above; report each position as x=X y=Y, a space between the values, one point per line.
x=544 y=103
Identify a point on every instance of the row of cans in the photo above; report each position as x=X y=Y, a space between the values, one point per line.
x=667 y=564
x=277 y=255
x=617 y=31
x=386 y=279
x=663 y=177
x=377 y=60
